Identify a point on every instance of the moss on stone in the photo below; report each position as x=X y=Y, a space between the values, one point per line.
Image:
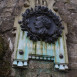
x=1 y=47
x=5 y=65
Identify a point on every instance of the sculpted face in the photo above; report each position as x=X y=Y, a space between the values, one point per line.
x=42 y=24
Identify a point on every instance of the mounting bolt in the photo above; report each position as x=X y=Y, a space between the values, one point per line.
x=19 y=22
x=55 y=9
x=21 y=52
x=26 y=4
x=61 y=56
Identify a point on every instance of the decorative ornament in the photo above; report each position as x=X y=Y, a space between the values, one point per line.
x=41 y=24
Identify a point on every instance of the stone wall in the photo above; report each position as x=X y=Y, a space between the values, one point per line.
x=11 y=8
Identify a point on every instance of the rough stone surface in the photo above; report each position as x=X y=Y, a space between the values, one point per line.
x=68 y=12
